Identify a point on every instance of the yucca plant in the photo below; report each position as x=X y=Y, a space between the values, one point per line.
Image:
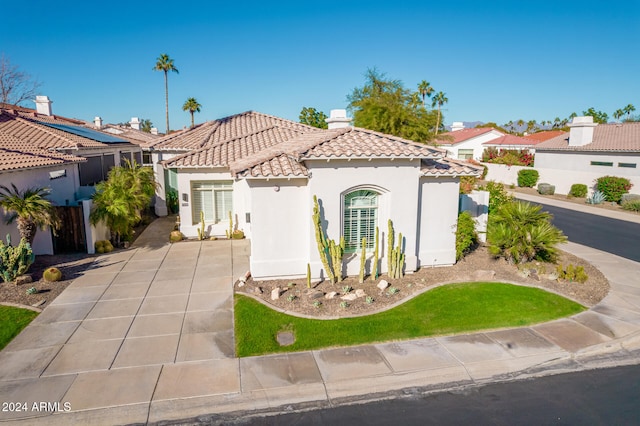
x=520 y=231
x=29 y=208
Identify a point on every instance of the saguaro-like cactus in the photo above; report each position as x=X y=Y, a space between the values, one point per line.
x=395 y=257
x=337 y=251
x=15 y=261
x=374 y=269
x=323 y=245
x=363 y=259
x=201 y=229
x=308 y=276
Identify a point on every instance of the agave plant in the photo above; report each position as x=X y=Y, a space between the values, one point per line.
x=521 y=231
x=596 y=198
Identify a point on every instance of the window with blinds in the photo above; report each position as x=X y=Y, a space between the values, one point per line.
x=215 y=199
x=360 y=219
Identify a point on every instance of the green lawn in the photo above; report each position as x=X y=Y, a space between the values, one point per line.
x=450 y=309
x=12 y=321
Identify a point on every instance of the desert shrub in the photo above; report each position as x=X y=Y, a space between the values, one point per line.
x=546 y=189
x=631 y=205
x=578 y=190
x=467 y=183
x=520 y=231
x=15 y=260
x=509 y=157
x=466 y=235
x=571 y=273
x=498 y=196
x=613 y=187
x=527 y=178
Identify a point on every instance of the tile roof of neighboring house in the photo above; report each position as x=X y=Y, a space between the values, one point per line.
x=449 y=167
x=545 y=135
x=135 y=136
x=224 y=129
x=512 y=140
x=452 y=138
x=617 y=137
x=15 y=154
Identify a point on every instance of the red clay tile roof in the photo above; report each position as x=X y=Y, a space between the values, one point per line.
x=545 y=135
x=512 y=140
x=616 y=137
x=452 y=138
x=16 y=155
x=449 y=167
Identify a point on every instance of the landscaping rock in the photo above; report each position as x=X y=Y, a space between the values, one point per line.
x=534 y=274
x=40 y=303
x=285 y=338
x=383 y=284
x=360 y=293
x=315 y=294
x=24 y=279
x=257 y=290
x=331 y=295
x=350 y=297
x=275 y=293
x=483 y=275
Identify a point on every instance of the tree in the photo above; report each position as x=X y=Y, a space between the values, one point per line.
x=439 y=99
x=313 y=117
x=120 y=200
x=30 y=209
x=192 y=106
x=16 y=86
x=384 y=105
x=617 y=114
x=531 y=125
x=165 y=64
x=425 y=90
x=146 y=125
x=599 y=117
x=628 y=110
x=494 y=126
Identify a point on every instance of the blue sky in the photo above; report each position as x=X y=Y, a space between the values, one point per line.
x=495 y=60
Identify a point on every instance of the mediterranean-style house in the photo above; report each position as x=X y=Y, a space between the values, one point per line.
x=465 y=144
x=266 y=171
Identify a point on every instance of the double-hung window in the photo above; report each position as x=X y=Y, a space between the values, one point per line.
x=360 y=219
x=214 y=199
x=465 y=154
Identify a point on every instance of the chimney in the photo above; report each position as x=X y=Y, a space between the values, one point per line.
x=338 y=118
x=457 y=125
x=581 y=132
x=98 y=122
x=43 y=105
x=154 y=130
x=135 y=123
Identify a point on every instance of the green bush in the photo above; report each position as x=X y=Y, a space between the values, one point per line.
x=520 y=232
x=613 y=187
x=527 y=178
x=467 y=184
x=578 y=190
x=498 y=196
x=632 y=205
x=466 y=235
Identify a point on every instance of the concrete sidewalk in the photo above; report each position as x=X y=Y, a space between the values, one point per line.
x=145 y=336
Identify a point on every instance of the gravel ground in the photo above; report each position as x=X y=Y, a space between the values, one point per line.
x=477 y=266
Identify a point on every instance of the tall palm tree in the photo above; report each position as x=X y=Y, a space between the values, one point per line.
x=439 y=99
x=628 y=110
x=425 y=90
x=29 y=209
x=192 y=106
x=617 y=114
x=165 y=64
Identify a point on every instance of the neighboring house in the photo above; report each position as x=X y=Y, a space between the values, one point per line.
x=512 y=143
x=596 y=149
x=465 y=144
x=62 y=154
x=266 y=170
x=544 y=135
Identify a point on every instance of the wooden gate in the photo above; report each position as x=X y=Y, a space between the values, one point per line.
x=71 y=236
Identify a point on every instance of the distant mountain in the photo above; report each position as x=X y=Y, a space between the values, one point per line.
x=467 y=125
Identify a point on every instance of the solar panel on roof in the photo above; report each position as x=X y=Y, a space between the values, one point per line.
x=85 y=133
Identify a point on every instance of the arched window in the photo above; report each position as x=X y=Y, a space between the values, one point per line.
x=360 y=218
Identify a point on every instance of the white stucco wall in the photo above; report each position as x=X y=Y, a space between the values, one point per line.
x=280 y=222
x=160 y=203
x=473 y=143
x=439 y=217
x=562 y=171
x=62 y=193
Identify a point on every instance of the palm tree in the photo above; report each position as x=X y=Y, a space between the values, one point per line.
x=29 y=209
x=618 y=114
x=192 y=106
x=628 y=110
x=165 y=64
x=425 y=90
x=439 y=99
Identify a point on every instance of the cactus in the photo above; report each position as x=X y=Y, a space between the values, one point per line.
x=15 y=261
x=229 y=232
x=596 y=198
x=395 y=256
x=52 y=274
x=323 y=246
x=201 y=229
x=32 y=290
x=374 y=272
x=363 y=259
x=337 y=251
x=308 y=276
x=237 y=234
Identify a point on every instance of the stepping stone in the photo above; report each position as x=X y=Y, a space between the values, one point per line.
x=285 y=338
